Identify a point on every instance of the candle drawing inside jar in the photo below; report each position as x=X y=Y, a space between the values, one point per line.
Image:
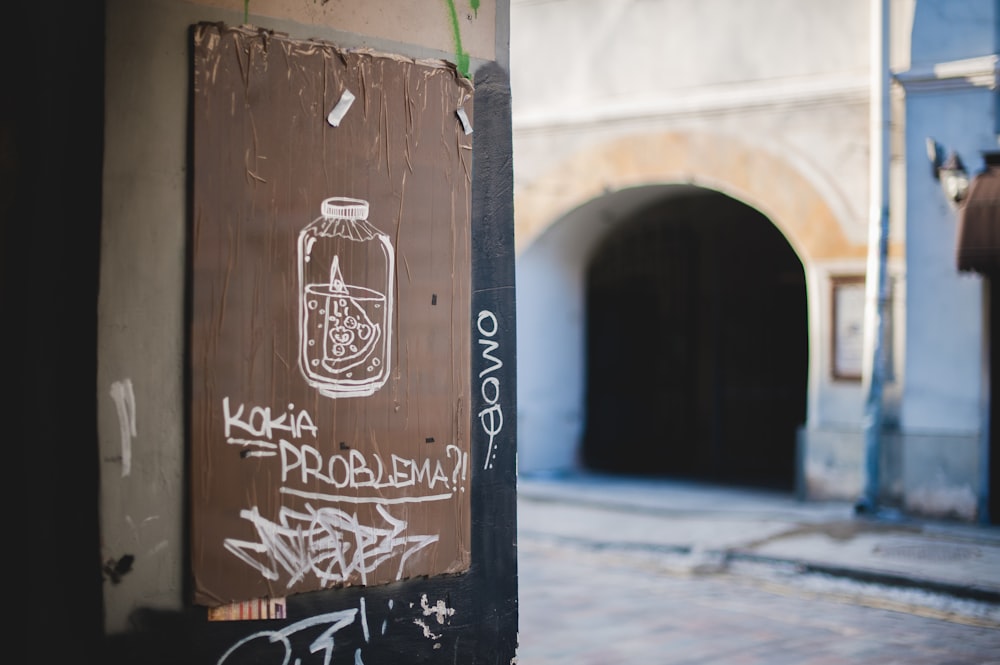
x=345 y=301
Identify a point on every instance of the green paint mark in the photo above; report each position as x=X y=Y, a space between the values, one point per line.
x=461 y=57
x=475 y=7
x=246 y=11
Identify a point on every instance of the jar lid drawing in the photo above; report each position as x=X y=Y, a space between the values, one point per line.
x=340 y=207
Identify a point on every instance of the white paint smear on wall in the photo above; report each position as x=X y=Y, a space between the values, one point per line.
x=124 y=398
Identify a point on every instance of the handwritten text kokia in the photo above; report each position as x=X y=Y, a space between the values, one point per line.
x=352 y=468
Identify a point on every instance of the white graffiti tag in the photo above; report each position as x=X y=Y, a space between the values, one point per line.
x=491 y=417
x=327 y=637
x=327 y=543
x=323 y=644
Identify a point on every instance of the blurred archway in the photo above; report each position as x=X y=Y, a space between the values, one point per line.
x=696 y=344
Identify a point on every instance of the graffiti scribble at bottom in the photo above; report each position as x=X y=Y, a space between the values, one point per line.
x=325 y=643
x=327 y=543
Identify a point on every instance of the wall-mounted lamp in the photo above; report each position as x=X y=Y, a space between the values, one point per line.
x=950 y=172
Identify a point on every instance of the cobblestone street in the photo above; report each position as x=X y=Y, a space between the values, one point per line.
x=592 y=601
x=595 y=607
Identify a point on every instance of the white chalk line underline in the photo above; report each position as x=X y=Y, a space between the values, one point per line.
x=320 y=496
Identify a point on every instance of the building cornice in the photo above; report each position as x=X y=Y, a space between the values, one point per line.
x=703 y=101
x=981 y=72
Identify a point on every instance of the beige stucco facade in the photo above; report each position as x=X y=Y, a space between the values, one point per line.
x=715 y=162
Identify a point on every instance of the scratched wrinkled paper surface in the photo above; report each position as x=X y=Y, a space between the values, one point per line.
x=330 y=317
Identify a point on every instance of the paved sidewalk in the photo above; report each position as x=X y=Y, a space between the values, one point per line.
x=710 y=527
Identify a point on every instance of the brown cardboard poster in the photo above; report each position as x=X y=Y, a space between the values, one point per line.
x=330 y=310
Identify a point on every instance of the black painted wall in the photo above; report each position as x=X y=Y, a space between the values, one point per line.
x=51 y=139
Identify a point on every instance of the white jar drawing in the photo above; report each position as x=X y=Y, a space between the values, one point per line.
x=346 y=268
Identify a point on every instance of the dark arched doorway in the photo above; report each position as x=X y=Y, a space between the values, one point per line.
x=696 y=345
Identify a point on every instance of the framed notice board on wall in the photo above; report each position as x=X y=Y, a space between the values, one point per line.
x=351 y=349
x=847 y=326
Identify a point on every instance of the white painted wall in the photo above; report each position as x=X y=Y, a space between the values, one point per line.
x=575 y=57
x=596 y=68
x=550 y=357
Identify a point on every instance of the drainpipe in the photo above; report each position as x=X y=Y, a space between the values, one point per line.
x=876 y=282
